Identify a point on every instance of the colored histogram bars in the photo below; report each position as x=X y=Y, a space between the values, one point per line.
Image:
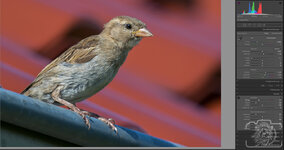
x=252 y=10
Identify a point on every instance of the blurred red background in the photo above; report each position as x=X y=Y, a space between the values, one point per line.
x=169 y=86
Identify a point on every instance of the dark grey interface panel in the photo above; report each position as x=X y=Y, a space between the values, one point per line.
x=259 y=74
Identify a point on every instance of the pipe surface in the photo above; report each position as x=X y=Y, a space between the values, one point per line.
x=64 y=124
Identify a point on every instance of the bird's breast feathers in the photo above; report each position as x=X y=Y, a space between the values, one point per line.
x=84 y=80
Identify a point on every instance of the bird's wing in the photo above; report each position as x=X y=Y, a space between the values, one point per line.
x=82 y=52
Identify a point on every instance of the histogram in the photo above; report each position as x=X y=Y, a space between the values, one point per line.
x=252 y=9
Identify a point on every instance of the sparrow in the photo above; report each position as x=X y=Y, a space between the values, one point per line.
x=88 y=66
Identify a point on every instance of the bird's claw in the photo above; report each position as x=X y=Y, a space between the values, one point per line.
x=83 y=114
x=110 y=122
x=86 y=120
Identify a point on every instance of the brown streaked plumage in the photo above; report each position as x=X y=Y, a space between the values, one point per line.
x=79 y=53
x=87 y=67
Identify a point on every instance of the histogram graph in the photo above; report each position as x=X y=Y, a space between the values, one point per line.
x=259 y=10
x=252 y=10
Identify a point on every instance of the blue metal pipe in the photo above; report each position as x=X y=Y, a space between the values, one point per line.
x=64 y=124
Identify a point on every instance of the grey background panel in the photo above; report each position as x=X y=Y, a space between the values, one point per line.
x=228 y=74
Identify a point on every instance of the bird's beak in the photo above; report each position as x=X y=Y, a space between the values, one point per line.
x=143 y=33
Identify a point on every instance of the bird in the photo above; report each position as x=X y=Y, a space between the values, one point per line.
x=88 y=66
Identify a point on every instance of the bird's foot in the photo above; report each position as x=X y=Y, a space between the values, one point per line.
x=110 y=122
x=83 y=114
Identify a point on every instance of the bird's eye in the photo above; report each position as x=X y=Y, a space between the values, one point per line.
x=128 y=26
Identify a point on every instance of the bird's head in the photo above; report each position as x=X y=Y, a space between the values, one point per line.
x=126 y=31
